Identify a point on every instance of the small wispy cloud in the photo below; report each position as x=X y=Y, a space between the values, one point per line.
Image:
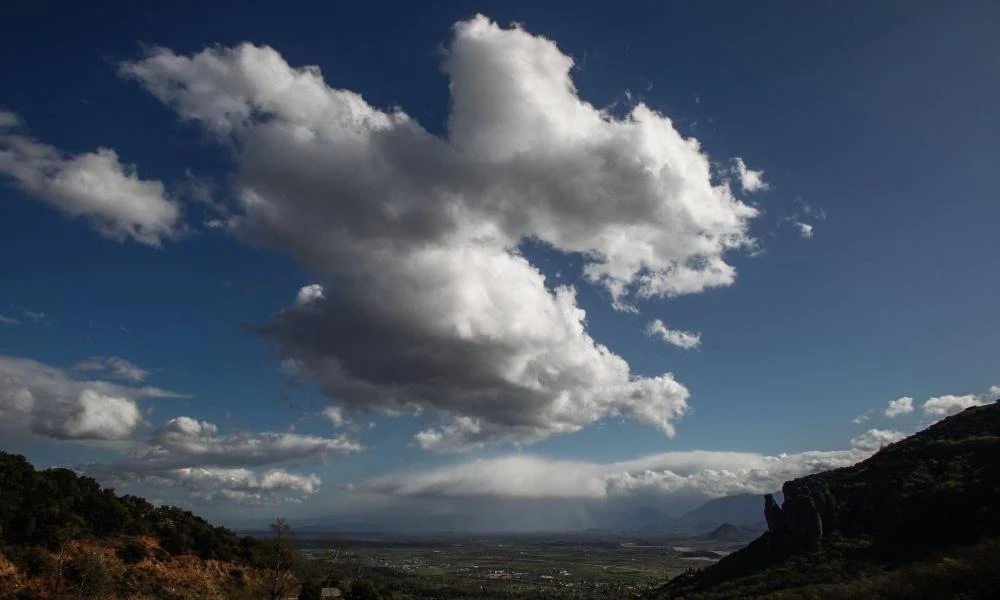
x=37 y=317
x=675 y=337
x=750 y=180
x=113 y=367
x=5 y=320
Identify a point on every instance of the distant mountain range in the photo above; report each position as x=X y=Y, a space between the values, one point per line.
x=743 y=511
x=919 y=519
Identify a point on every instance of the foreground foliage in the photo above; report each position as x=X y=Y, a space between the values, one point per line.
x=64 y=536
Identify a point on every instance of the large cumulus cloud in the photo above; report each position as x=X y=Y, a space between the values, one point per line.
x=425 y=303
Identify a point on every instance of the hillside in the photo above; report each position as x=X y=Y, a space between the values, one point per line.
x=917 y=519
x=63 y=535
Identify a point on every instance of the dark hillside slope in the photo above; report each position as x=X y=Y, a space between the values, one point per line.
x=59 y=530
x=924 y=511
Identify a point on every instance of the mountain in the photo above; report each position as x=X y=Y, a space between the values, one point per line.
x=919 y=519
x=742 y=509
x=727 y=532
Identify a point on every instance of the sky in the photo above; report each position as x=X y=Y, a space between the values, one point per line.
x=491 y=265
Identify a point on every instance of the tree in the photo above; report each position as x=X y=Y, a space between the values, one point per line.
x=90 y=576
x=279 y=580
x=66 y=534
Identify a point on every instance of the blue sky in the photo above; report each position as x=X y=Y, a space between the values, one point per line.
x=858 y=269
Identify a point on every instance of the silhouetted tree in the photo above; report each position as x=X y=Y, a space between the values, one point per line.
x=279 y=579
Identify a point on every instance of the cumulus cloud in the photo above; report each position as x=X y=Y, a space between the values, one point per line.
x=52 y=403
x=425 y=303
x=995 y=391
x=874 y=439
x=113 y=367
x=674 y=337
x=94 y=186
x=943 y=406
x=750 y=180
x=805 y=229
x=899 y=406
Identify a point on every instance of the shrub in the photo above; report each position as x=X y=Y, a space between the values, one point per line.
x=32 y=560
x=133 y=553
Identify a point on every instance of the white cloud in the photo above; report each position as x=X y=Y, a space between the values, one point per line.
x=5 y=320
x=862 y=417
x=750 y=180
x=899 y=406
x=233 y=484
x=49 y=402
x=9 y=120
x=682 y=339
x=995 y=391
x=91 y=416
x=310 y=293
x=805 y=229
x=113 y=367
x=942 y=406
x=874 y=439
x=193 y=454
x=692 y=474
x=434 y=309
x=335 y=415
x=95 y=186
x=187 y=442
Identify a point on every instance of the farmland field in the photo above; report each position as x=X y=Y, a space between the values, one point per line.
x=546 y=565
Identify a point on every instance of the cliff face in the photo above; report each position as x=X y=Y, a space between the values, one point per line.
x=936 y=490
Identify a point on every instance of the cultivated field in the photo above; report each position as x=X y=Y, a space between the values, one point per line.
x=547 y=565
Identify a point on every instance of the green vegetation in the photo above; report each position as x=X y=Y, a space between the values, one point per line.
x=917 y=519
x=46 y=508
x=68 y=537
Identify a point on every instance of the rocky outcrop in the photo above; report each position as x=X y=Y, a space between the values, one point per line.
x=919 y=504
x=773 y=516
x=801 y=517
x=802 y=520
